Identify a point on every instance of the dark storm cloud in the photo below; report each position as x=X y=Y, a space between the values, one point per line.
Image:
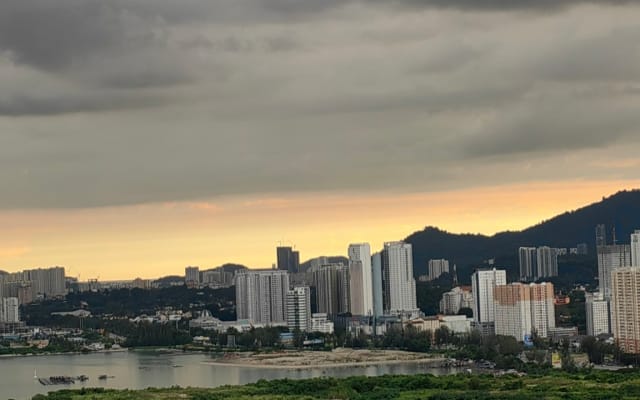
x=131 y=101
x=499 y=4
x=54 y=34
x=43 y=105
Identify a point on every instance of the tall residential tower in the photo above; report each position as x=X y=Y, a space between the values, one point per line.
x=361 y=279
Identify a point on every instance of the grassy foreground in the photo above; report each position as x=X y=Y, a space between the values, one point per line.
x=554 y=385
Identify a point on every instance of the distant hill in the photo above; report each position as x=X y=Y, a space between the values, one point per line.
x=324 y=260
x=168 y=281
x=229 y=267
x=621 y=210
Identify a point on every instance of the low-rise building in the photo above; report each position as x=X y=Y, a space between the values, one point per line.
x=320 y=323
x=456 y=299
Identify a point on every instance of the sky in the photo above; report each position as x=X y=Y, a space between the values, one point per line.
x=141 y=136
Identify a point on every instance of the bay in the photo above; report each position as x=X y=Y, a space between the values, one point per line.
x=140 y=370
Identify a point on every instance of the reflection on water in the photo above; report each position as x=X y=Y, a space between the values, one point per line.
x=139 y=370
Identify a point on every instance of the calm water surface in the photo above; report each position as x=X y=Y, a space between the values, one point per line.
x=139 y=370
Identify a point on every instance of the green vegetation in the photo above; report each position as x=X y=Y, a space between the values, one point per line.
x=583 y=385
x=566 y=230
x=132 y=302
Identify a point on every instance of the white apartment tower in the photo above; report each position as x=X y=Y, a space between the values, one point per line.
x=299 y=309
x=598 y=314
x=399 y=284
x=520 y=309
x=512 y=310
x=543 y=315
x=625 y=308
x=361 y=280
x=635 y=249
x=482 y=284
x=261 y=296
x=9 y=310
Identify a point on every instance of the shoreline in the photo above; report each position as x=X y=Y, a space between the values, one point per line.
x=67 y=353
x=304 y=360
x=358 y=364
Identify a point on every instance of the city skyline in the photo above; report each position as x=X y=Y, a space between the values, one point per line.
x=147 y=136
x=146 y=251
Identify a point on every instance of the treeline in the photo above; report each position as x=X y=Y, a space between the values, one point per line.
x=132 y=302
x=581 y=385
x=147 y=334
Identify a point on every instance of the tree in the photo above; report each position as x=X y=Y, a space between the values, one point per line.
x=565 y=357
x=443 y=336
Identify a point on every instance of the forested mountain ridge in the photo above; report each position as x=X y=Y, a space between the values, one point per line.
x=621 y=210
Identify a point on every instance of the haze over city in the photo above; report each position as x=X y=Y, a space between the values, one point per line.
x=146 y=136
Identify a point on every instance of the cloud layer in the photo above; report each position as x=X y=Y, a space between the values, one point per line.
x=124 y=102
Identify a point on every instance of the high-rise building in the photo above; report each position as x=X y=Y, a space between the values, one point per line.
x=360 y=278
x=483 y=281
x=601 y=235
x=611 y=257
x=288 y=259
x=547 y=262
x=543 y=315
x=399 y=283
x=528 y=263
x=261 y=295
x=455 y=300
x=521 y=309
x=44 y=282
x=192 y=275
x=635 y=249
x=625 y=308
x=332 y=288
x=9 y=310
x=435 y=268
x=598 y=314
x=299 y=308
x=376 y=279
x=512 y=304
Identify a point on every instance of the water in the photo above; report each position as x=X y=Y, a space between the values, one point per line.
x=139 y=370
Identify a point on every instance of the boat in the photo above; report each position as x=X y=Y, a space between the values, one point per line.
x=103 y=377
x=61 y=380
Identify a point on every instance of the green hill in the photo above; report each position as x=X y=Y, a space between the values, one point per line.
x=621 y=211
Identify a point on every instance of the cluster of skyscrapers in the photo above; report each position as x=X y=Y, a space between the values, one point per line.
x=369 y=285
x=29 y=285
x=215 y=277
x=538 y=262
x=615 y=308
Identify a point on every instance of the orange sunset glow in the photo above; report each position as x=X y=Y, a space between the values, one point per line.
x=162 y=238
